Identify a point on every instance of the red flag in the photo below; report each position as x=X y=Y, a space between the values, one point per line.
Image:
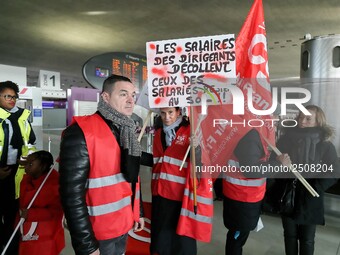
x=219 y=138
x=251 y=46
x=252 y=67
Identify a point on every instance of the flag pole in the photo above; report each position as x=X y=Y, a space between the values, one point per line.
x=193 y=158
x=28 y=207
x=294 y=171
x=144 y=125
x=187 y=152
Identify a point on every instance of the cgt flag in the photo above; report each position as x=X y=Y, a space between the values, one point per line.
x=221 y=137
x=252 y=69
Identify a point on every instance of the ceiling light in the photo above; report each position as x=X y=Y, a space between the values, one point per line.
x=308 y=36
x=95 y=13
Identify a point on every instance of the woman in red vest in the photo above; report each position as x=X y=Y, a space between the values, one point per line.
x=42 y=232
x=171 y=141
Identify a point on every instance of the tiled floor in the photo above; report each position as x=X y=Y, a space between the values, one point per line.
x=269 y=240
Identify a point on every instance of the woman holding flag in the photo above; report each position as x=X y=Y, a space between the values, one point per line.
x=308 y=146
x=171 y=189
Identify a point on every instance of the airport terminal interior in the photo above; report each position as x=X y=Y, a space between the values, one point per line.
x=60 y=52
x=267 y=241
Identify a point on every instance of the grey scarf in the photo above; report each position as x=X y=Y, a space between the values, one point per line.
x=126 y=126
x=304 y=143
x=170 y=132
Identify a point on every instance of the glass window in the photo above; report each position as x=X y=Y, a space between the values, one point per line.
x=305 y=60
x=336 y=56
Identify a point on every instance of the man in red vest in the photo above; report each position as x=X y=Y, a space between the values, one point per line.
x=99 y=166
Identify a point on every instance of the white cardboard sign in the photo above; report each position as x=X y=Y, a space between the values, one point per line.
x=174 y=65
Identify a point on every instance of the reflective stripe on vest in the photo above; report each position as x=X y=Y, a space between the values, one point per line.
x=169 y=160
x=157 y=160
x=155 y=176
x=172 y=178
x=104 y=181
x=240 y=188
x=196 y=217
x=200 y=199
x=109 y=208
x=234 y=163
x=245 y=182
x=137 y=194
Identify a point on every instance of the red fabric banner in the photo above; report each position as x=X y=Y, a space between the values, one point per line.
x=252 y=67
x=220 y=137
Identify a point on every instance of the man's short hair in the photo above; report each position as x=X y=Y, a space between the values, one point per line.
x=9 y=85
x=111 y=80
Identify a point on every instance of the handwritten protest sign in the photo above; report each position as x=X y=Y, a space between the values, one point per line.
x=175 y=65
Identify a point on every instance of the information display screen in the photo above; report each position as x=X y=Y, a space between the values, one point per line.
x=102 y=72
x=131 y=65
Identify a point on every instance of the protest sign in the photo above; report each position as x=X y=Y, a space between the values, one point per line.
x=175 y=65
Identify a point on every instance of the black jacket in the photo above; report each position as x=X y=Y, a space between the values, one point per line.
x=307 y=146
x=74 y=169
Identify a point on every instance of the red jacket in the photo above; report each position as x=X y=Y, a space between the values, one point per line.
x=42 y=232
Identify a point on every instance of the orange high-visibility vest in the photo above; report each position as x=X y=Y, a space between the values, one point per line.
x=108 y=195
x=199 y=225
x=239 y=188
x=167 y=180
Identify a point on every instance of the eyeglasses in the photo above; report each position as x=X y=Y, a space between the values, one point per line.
x=9 y=97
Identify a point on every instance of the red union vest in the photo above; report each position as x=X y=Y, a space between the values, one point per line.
x=167 y=180
x=199 y=225
x=108 y=195
x=238 y=188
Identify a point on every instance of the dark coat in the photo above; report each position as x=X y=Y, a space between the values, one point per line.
x=308 y=146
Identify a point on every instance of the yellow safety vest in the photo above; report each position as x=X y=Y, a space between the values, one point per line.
x=25 y=130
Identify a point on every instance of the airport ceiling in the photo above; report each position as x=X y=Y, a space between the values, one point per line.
x=62 y=35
